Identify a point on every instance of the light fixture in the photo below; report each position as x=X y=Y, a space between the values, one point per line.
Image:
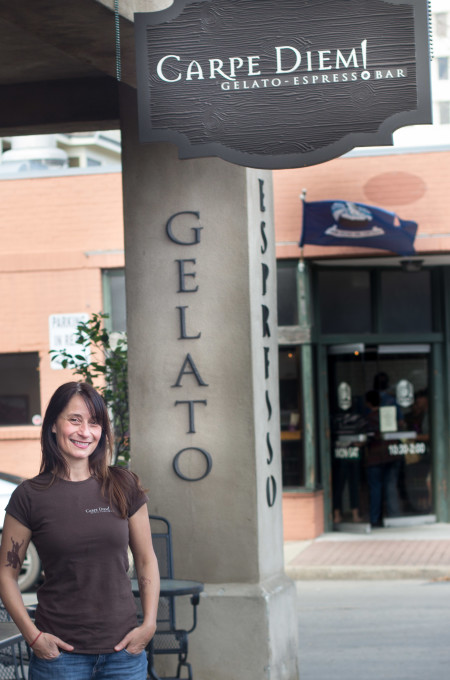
x=411 y=265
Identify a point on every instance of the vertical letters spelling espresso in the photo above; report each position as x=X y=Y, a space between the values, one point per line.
x=271 y=485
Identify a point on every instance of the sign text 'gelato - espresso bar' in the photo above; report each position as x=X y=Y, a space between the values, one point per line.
x=281 y=83
x=241 y=73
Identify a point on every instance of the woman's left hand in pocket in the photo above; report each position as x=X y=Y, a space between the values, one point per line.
x=136 y=640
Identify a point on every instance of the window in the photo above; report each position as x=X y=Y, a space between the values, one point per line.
x=444 y=113
x=442 y=64
x=441 y=23
x=406 y=302
x=114 y=302
x=377 y=301
x=287 y=292
x=19 y=388
x=293 y=464
x=345 y=301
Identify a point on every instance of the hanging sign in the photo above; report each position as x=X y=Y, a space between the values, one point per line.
x=344 y=396
x=281 y=83
x=404 y=393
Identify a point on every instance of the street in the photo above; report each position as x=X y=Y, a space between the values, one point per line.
x=372 y=630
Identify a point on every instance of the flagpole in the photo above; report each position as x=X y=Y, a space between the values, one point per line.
x=302 y=198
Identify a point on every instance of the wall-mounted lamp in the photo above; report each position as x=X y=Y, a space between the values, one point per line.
x=411 y=265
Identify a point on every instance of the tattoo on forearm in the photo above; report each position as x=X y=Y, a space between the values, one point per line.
x=12 y=556
x=143 y=581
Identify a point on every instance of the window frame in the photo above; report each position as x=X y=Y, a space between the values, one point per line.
x=107 y=275
x=18 y=394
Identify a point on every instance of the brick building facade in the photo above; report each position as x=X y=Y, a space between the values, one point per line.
x=61 y=233
x=397 y=325
x=58 y=234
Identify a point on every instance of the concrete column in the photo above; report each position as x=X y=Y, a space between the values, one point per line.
x=201 y=305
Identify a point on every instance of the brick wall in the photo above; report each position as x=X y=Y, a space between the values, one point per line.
x=58 y=233
x=413 y=185
x=303 y=516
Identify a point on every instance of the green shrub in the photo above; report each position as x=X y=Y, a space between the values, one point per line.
x=103 y=363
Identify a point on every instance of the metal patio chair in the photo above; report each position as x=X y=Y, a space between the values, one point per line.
x=168 y=638
x=12 y=656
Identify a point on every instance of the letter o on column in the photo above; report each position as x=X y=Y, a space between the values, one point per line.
x=271 y=491
x=181 y=475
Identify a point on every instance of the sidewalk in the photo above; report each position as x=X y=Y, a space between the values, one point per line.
x=415 y=552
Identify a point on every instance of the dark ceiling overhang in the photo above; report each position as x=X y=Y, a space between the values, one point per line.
x=58 y=66
x=79 y=104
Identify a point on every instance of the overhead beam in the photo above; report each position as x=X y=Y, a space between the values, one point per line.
x=81 y=104
x=82 y=29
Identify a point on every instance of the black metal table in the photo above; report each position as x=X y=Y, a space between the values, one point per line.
x=10 y=639
x=173 y=587
x=9 y=634
x=168 y=638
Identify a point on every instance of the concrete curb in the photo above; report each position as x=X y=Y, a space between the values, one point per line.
x=319 y=573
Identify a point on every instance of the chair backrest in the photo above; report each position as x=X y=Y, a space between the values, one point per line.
x=11 y=656
x=162 y=544
x=166 y=641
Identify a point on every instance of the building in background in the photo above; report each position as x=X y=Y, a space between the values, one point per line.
x=62 y=257
x=346 y=316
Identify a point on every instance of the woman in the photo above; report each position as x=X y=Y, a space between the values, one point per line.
x=81 y=515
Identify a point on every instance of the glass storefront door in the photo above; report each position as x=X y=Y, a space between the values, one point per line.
x=380 y=432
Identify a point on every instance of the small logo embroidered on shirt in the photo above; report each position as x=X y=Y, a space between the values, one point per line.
x=96 y=511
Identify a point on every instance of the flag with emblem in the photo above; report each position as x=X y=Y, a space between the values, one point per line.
x=343 y=223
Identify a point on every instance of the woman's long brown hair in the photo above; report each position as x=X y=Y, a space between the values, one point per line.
x=117 y=483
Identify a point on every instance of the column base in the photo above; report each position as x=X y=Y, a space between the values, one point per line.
x=244 y=631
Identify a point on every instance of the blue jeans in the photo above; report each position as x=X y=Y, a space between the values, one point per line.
x=116 y=666
x=375 y=479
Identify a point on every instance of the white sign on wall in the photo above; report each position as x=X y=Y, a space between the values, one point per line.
x=62 y=329
x=388 y=419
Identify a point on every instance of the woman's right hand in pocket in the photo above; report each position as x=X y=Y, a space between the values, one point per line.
x=48 y=646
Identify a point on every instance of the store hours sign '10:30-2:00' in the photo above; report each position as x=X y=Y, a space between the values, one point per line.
x=281 y=83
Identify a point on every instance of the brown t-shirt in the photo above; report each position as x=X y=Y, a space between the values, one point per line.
x=86 y=597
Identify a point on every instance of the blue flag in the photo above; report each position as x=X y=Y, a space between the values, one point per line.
x=342 y=223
